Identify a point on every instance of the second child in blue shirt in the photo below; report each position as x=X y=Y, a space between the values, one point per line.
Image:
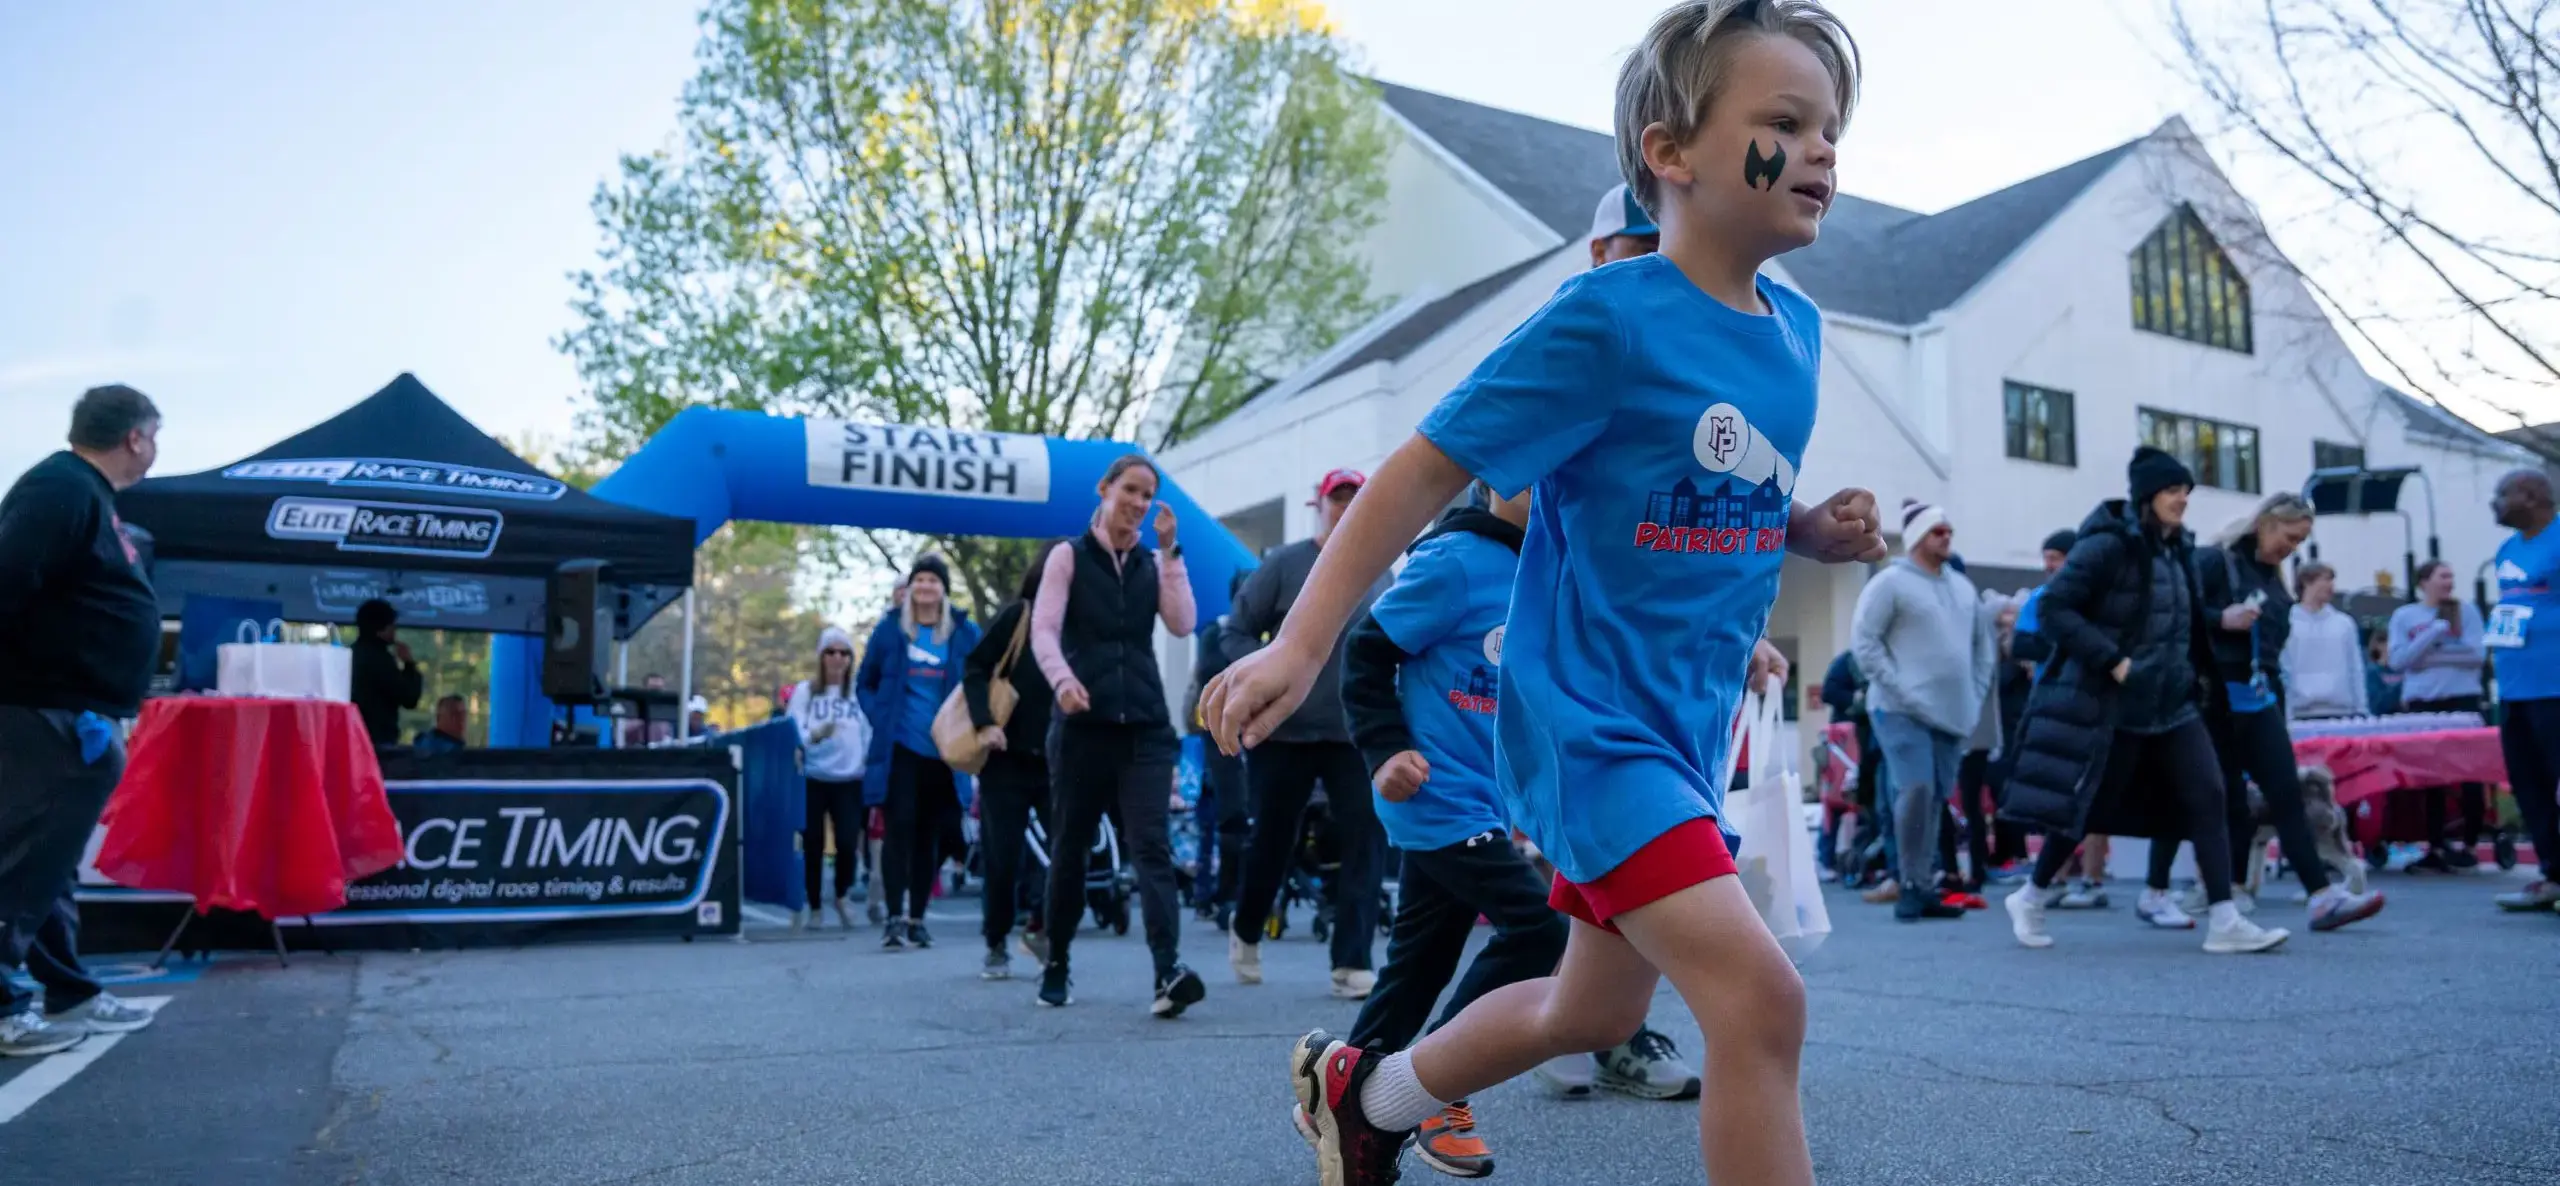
x=1660 y=409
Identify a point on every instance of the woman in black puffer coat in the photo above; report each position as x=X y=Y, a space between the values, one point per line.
x=2114 y=736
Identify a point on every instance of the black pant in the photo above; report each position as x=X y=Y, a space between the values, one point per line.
x=1283 y=775
x=54 y=960
x=2180 y=762
x=2530 y=735
x=1097 y=766
x=2259 y=745
x=923 y=807
x=1231 y=814
x=841 y=802
x=49 y=803
x=1989 y=840
x=2475 y=798
x=1441 y=895
x=1012 y=789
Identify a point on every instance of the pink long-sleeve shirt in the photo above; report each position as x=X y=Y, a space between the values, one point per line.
x=1049 y=613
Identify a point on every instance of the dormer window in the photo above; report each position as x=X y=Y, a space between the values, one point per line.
x=2185 y=287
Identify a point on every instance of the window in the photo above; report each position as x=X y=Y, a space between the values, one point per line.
x=2040 y=424
x=2222 y=455
x=2185 y=287
x=2331 y=455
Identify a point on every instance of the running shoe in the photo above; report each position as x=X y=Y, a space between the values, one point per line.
x=877 y=912
x=1449 y=1143
x=801 y=918
x=893 y=937
x=2335 y=907
x=2243 y=937
x=2008 y=874
x=1354 y=984
x=1886 y=893
x=1915 y=905
x=1570 y=1076
x=105 y=1013
x=29 y=1035
x=998 y=966
x=1647 y=1066
x=2156 y=908
x=1327 y=1076
x=844 y=912
x=2461 y=858
x=1177 y=992
x=1964 y=900
x=917 y=935
x=1244 y=958
x=2026 y=916
x=1057 y=991
x=2083 y=895
x=2536 y=895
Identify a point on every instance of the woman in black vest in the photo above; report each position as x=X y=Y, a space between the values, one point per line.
x=1015 y=784
x=1111 y=742
x=2114 y=738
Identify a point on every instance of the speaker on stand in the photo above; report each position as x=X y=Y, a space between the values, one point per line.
x=579 y=616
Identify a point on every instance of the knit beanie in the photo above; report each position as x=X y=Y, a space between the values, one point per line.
x=2152 y=471
x=833 y=637
x=2061 y=541
x=1918 y=519
x=932 y=563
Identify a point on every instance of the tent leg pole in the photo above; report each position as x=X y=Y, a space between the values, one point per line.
x=684 y=710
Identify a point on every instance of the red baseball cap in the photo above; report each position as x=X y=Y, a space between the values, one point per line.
x=1336 y=480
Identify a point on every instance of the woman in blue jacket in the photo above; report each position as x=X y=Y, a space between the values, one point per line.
x=910 y=667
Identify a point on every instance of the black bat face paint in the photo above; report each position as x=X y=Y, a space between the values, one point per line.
x=1756 y=168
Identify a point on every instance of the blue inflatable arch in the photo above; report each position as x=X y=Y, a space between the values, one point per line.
x=713 y=465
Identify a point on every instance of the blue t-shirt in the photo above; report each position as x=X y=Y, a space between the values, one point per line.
x=1446 y=609
x=2524 y=627
x=926 y=663
x=1662 y=431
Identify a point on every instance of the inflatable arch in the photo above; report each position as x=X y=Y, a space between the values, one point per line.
x=713 y=465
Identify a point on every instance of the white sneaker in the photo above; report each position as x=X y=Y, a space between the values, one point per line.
x=2156 y=908
x=1350 y=984
x=1245 y=958
x=801 y=918
x=2242 y=937
x=2026 y=916
x=29 y=1035
x=2335 y=907
x=1570 y=1076
x=105 y=1013
x=844 y=913
x=2083 y=895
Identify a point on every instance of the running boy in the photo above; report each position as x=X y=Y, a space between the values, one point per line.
x=1660 y=408
x=1418 y=683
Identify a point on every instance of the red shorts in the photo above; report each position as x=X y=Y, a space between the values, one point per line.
x=1691 y=854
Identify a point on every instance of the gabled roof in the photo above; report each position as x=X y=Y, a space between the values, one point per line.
x=1874 y=260
x=2428 y=419
x=1421 y=325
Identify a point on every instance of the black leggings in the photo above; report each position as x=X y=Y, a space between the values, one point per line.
x=841 y=802
x=2258 y=745
x=2180 y=762
x=1128 y=768
x=1013 y=788
x=2475 y=798
x=1283 y=777
x=923 y=806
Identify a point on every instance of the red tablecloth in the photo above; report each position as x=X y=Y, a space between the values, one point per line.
x=264 y=805
x=2368 y=766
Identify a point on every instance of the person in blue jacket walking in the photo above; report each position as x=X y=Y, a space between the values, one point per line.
x=909 y=668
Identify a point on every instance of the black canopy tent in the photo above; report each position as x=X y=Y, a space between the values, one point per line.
x=400 y=498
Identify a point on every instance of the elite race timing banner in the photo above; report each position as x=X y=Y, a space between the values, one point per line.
x=505 y=851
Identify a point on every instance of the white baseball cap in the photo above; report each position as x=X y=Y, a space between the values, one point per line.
x=1621 y=214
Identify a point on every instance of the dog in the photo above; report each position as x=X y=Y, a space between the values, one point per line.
x=2328 y=831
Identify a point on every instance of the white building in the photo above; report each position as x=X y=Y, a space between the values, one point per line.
x=2001 y=358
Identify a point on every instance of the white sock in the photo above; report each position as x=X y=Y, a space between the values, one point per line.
x=1393 y=1099
x=2226 y=915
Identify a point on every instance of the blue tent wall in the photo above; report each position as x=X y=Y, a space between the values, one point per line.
x=714 y=465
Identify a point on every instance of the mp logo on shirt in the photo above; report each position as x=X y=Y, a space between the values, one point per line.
x=1740 y=506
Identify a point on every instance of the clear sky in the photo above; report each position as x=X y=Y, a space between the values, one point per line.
x=259 y=213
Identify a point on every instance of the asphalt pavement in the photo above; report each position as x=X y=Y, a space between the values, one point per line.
x=2417 y=1049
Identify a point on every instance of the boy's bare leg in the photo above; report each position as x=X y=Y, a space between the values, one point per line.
x=1749 y=1001
x=1597 y=997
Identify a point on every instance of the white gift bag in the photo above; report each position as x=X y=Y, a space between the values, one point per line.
x=275 y=669
x=1776 y=861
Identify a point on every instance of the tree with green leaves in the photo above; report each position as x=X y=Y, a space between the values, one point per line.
x=1057 y=217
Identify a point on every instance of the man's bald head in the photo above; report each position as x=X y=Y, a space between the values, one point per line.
x=2524 y=500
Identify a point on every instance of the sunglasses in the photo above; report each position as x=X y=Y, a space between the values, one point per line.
x=837 y=651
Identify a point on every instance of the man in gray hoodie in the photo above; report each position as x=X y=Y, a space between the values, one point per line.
x=1929 y=652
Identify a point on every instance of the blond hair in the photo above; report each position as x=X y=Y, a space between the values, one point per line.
x=1682 y=64
x=2277 y=509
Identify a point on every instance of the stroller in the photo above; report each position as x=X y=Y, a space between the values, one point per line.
x=1108 y=883
x=1315 y=871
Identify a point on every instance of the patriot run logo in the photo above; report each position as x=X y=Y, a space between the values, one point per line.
x=454 y=532
x=1484 y=683
x=1741 y=507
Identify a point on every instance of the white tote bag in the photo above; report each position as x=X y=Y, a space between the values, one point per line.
x=1776 y=861
x=274 y=669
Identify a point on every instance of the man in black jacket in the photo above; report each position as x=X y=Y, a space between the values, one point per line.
x=79 y=634
x=1313 y=745
x=382 y=677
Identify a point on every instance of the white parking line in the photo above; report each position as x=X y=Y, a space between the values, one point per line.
x=38 y=1081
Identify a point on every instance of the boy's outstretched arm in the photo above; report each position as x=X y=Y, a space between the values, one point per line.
x=1842 y=528
x=1244 y=704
